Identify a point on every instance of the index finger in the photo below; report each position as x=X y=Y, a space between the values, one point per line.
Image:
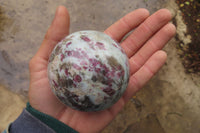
x=123 y=26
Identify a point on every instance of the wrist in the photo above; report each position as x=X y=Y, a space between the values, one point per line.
x=53 y=123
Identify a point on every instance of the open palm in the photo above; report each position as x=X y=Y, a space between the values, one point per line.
x=143 y=47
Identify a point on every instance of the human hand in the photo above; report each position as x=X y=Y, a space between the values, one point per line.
x=143 y=48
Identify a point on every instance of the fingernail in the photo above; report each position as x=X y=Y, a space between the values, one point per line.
x=57 y=10
x=56 y=14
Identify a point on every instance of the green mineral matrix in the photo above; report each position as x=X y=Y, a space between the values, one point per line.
x=88 y=71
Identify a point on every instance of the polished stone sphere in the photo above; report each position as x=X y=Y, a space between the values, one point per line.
x=88 y=71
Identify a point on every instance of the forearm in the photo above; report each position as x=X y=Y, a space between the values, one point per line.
x=33 y=121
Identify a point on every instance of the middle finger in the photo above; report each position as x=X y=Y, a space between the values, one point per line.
x=148 y=28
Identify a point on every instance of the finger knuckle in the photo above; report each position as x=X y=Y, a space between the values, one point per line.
x=31 y=62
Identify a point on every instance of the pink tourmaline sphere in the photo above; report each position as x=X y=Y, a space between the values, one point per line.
x=88 y=71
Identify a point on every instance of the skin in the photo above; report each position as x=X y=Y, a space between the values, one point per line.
x=143 y=47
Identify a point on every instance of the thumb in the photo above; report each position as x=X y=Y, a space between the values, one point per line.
x=56 y=32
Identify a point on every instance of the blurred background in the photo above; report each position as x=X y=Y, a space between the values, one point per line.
x=169 y=103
